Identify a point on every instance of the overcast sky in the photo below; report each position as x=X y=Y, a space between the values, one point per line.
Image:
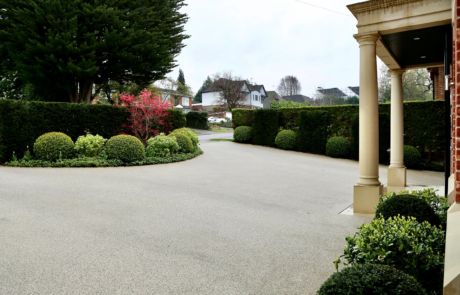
x=265 y=40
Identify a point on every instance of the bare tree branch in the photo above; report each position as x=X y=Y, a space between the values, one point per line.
x=289 y=85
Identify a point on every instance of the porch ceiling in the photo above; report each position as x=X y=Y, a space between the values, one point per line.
x=423 y=47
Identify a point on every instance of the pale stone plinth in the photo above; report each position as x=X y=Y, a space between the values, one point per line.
x=452 y=261
x=396 y=177
x=365 y=198
x=451 y=189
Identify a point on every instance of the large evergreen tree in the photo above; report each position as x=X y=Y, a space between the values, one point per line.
x=198 y=97
x=65 y=47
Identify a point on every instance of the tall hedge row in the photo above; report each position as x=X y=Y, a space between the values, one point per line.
x=197 y=120
x=312 y=133
x=423 y=124
x=21 y=123
x=265 y=126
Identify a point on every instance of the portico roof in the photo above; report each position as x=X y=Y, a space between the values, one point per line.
x=411 y=32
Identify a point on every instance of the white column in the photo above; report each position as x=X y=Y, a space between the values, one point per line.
x=397 y=170
x=368 y=188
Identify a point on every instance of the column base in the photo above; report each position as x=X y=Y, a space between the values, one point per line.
x=396 y=177
x=451 y=189
x=452 y=260
x=365 y=198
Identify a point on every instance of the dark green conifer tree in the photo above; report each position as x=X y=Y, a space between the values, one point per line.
x=198 y=97
x=65 y=47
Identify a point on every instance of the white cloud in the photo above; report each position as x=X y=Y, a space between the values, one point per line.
x=268 y=39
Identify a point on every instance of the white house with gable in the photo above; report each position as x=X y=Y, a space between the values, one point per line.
x=254 y=95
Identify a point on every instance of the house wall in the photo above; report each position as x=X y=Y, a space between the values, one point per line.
x=209 y=98
x=256 y=103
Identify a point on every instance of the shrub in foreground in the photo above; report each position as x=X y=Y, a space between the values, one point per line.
x=126 y=148
x=184 y=142
x=190 y=134
x=338 y=147
x=161 y=146
x=286 y=140
x=412 y=157
x=54 y=145
x=90 y=145
x=407 y=205
x=242 y=134
x=371 y=279
x=412 y=247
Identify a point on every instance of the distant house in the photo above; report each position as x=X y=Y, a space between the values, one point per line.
x=271 y=96
x=299 y=98
x=254 y=96
x=177 y=99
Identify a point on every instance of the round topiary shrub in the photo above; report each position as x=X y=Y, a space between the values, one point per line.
x=286 y=139
x=371 y=279
x=412 y=157
x=90 y=145
x=54 y=145
x=126 y=148
x=412 y=247
x=242 y=134
x=161 y=146
x=190 y=134
x=407 y=205
x=184 y=142
x=338 y=147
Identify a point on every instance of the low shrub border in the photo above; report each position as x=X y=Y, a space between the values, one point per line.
x=101 y=162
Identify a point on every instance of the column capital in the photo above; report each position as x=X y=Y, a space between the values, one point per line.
x=397 y=72
x=367 y=38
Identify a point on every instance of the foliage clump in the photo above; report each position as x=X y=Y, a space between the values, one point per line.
x=371 y=279
x=412 y=247
x=338 y=147
x=184 y=142
x=53 y=146
x=312 y=134
x=242 y=134
x=90 y=145
x=190 y=134
x=286 y=140
x=126 y=148
x=407 y=205
x=161 y=146
x=265 y=126
x=412 y=157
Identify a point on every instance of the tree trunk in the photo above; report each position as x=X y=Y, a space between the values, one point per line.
x=86 y=89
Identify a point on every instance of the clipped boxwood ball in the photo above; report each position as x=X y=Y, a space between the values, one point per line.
x=126 y=148
x=407 y=205
x=190 y=134
x=371 y=279
x=338 y=147
x=412 y=157
x=51 y=145
x=242 y=134
x=184 y=142
x=286 y=140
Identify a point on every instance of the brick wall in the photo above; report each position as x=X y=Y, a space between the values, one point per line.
x=455 y=94
x=437 y=75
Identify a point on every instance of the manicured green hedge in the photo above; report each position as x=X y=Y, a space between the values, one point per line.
x=241 y=117
x=197 y=120
x=177 y=119
x=423 y=124
x=22 y=122
x=265 y=126
x=312 y=135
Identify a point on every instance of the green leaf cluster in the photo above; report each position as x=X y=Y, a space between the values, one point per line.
x=190 y=134
x=126 y=148
x=184 y=142
x=286 y=140
x=242 y=134
x=198 y=120
x=412 y=157
x=412 y=247
x=242 y=117
x=287 y=104
x=90 y=145
x=54 y=145
x=312 y=134
x=161 y=146
x=371 y=279
x=337 y=147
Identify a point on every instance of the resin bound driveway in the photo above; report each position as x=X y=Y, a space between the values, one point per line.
x=240 y=219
